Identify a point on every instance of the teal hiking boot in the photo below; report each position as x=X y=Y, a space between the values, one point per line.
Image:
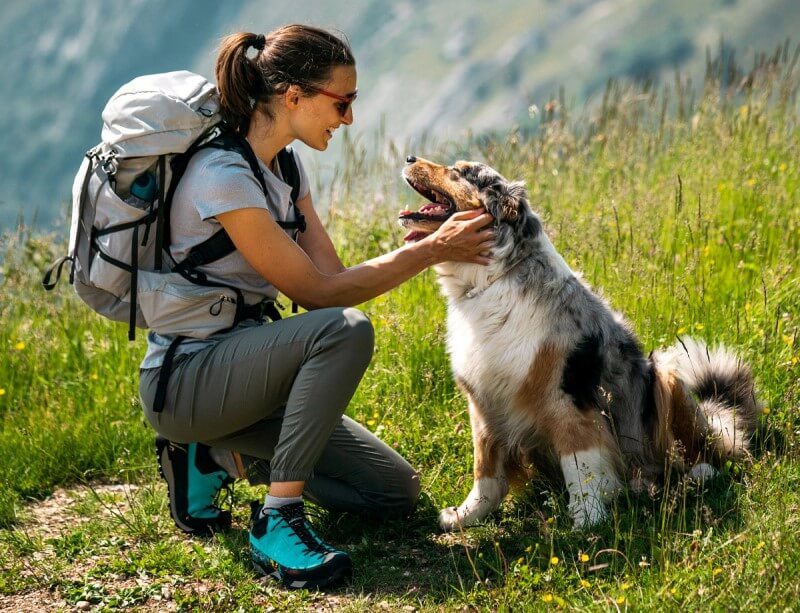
x=193 y=480
x=284 y=546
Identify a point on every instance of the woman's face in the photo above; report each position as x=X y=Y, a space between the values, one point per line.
x=317 y=115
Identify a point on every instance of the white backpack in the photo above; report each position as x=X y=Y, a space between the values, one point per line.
x=119 y=252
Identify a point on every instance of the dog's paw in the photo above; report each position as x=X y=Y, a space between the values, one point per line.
x=450 y=520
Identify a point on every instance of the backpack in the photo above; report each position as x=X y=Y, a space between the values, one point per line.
x=119 y=257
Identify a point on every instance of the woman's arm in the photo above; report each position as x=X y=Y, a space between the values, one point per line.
x=315 y=240
x=277 y=258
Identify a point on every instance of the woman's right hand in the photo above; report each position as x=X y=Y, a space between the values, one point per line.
x=466 y=237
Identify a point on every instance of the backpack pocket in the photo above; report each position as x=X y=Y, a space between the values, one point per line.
x=174 y=306
x=125 y=239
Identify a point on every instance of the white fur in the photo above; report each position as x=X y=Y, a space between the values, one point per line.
x=702 y=472
x=592 y=483
x=485 y=497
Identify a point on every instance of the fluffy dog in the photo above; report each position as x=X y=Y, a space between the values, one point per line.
x=554 y=378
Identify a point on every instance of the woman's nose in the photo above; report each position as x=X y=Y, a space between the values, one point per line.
x=411 y=159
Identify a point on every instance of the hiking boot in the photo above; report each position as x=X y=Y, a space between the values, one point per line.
x=193 y=480
x=284 y=546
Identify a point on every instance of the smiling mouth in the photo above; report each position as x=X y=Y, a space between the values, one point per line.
x=438 y=209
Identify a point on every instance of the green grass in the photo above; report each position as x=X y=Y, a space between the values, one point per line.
x=687 y=221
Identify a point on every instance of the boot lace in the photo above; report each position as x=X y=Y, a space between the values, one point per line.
x=295 y=517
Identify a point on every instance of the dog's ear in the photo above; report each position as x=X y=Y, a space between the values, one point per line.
x=504 y=200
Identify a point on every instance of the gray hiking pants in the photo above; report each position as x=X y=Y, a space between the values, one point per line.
x=276 y=393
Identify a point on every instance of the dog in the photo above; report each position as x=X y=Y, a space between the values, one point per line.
x=555 y=380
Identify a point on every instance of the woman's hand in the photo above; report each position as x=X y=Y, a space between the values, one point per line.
x=466 y=237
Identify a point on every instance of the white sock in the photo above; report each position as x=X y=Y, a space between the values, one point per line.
x=276 y=502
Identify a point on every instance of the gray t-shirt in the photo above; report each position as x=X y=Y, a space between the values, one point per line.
x=217 y=181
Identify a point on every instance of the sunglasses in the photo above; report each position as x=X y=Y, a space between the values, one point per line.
x=344 y=102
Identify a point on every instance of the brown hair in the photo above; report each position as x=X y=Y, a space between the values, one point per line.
x=292 y=55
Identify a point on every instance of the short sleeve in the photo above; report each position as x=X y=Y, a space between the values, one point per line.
x=222 y=182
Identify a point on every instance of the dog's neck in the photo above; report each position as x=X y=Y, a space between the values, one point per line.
x=533 y=255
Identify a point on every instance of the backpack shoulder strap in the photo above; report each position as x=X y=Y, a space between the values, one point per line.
x=219 y=245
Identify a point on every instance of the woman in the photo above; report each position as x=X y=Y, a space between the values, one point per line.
x=274 y=394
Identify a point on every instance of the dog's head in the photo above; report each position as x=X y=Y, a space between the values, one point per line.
x=460 y=187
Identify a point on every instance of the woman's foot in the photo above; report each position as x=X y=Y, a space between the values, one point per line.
x=284 y=546
x=193 y=479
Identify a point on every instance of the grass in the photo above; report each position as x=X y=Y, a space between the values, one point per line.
x=682 y=209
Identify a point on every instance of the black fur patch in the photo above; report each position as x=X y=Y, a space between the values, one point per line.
x=583 y=371
x=649 y=414
x=720 y=388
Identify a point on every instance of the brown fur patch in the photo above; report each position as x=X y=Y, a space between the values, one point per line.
x=424 y=173
x=678 y=436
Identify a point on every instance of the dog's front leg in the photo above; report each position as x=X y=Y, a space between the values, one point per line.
x=490 y=484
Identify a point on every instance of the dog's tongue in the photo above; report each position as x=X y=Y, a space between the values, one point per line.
x=413 y=235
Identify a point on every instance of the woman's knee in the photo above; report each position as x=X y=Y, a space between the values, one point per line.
x=356 y=334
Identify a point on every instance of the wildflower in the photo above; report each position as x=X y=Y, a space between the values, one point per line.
x=699 y=326
x=554 y=560
x=716 y=571
x=621 y=600
x=547 y=598
x=760 y=545
x=765 y=410
x=789 y=340
x=682 y=330
x=584 y=557
x=550 y=520
x=783 y=167
x=2 y=391
x=529 y=548
x=371 y=422
x=750 y=183
x=625 y=586
x=19 y=346
x=585 y=583
x=94 y=376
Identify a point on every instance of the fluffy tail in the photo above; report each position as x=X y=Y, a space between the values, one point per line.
x=722 y=385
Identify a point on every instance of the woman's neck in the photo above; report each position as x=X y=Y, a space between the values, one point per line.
x=267 y=137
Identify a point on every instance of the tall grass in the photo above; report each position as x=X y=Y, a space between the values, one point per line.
x=679 y=203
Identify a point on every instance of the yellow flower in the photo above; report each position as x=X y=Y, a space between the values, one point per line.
x=550 y=520
x=2 y=391
x=760 y=545
x=716 y=571
x=626 y=586
x=789 y=340
x=19 y=346
x=584 y=557
x=744 y=111
x=795 y=360
x=750 y=183
x=783 y=167
x=682 y=330
x=371 y=422
x=554 y=560
x=699 y=326
x=547 y=598
x=765 y=410
x=94 y=376
x=585 y=583
x=621 y=600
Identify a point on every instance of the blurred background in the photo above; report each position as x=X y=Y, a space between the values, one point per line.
x=429 y=72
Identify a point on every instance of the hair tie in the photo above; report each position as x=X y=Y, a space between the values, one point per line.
x=259 y=42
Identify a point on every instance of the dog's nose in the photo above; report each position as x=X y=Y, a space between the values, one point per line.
x=411 y=159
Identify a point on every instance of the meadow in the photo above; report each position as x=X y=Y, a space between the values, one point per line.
x=680 y=203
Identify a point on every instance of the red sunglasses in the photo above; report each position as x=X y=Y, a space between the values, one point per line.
x=344 y=101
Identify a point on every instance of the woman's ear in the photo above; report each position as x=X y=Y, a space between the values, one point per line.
x=292 y=96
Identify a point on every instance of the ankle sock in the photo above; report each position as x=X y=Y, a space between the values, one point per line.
x=275 y=502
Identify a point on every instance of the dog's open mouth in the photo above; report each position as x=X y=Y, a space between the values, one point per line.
x=438 y=209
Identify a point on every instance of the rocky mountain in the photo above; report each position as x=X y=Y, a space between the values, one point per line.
x=426 y=69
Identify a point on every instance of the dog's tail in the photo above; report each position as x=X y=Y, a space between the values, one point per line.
x=716 y=410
